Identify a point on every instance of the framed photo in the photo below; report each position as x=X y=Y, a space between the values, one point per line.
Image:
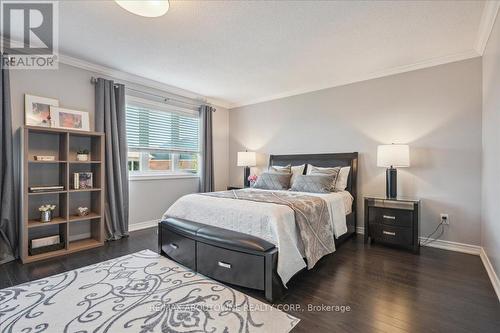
x=37 y=110
x=69 y=119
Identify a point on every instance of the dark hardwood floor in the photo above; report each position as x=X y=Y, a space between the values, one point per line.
x=387 y=290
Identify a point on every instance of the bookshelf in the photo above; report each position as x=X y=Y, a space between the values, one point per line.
x=76 y=232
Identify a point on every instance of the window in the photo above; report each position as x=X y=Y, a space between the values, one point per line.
x=162 y=140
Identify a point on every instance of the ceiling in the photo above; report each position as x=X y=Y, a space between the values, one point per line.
x=243 y=52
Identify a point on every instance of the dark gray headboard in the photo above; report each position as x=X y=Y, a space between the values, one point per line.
x=329 y=160
x=323 y=160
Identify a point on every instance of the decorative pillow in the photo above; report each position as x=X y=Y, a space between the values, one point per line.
x=273 y=181
x=313 y=183
x=281 y=169
x=313 y=170
x=341 y=183
x=296 y=170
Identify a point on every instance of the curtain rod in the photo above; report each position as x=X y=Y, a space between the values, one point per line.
x=93 y=80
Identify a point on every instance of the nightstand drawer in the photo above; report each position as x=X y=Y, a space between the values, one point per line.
x=391 y=217
x=392 y=234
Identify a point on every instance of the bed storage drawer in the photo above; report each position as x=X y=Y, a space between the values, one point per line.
x=242 y=269
x=178 y=247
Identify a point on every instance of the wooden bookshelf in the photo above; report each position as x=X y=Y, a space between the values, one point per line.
x=63 y=144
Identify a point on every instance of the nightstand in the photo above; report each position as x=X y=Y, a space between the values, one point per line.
x=393 y=222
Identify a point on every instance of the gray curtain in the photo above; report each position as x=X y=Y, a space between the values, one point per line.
x=9 y=228
x=207 y=152
x=110 y=119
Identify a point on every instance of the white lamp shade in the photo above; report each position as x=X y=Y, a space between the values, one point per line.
x=396 y=156
x=247 y=158
x=147 y=8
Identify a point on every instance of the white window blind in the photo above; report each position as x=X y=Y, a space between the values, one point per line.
x=151 y=130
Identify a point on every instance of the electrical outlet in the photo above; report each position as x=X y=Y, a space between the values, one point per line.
x=445 y=219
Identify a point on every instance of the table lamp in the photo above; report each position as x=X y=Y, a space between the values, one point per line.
x=391 y=157
x=247 y=159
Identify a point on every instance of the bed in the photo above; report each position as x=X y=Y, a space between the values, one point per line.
x=269 y=223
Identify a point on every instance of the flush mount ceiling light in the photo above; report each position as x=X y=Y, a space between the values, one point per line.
x=147 y=8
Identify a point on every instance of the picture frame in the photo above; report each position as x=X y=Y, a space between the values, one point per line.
x=37 y=110
x=69 y=119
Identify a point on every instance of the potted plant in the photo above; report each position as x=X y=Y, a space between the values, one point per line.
x=46 y=212
x=82 y=155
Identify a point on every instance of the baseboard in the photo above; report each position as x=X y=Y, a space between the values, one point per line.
x=491 y=272
x=452 y=246
x=131 y=227
x=143 y=225
x=443 y=244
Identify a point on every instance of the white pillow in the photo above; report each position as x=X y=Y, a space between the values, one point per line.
x=341 y=183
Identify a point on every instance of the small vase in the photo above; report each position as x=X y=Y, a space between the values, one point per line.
x=46 y=216
x=82 y=157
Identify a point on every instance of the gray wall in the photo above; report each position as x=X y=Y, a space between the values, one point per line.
x=437 y=111
x=148 y=199
x=491 y=148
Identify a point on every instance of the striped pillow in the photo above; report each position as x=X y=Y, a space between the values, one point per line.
x=281 y=169
x=313 y=170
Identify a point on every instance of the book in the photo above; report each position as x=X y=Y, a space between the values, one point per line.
x=45 y=158
x=76 y=181
x=82 y=180
x=50 y=188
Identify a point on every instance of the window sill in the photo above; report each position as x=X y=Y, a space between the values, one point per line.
x=139 y=177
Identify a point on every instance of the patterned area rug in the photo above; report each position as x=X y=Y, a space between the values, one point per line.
x=140 y=292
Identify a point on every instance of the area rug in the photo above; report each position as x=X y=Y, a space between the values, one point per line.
x=140 y=292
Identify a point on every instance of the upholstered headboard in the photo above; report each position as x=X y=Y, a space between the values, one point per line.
x=328 y=160
x=323 y=160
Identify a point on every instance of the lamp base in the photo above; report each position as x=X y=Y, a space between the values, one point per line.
x=391 y=183
x=246 y=182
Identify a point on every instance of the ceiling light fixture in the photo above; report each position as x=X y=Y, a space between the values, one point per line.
x=147 y=8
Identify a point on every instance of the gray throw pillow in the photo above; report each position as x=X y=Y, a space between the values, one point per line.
x=313 y=183
x=313 y=170
x=273 y=181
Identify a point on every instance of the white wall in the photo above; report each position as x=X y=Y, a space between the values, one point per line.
x=491 y=148
x=437 y=111
x=148 y=199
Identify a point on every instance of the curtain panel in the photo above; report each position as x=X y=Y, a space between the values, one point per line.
x=207 y=183
x=110 y=118
x=9 y=225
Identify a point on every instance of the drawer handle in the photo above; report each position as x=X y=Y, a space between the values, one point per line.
x=389 y=217
x=389 y=233
x=175 y=247
x=224 y=264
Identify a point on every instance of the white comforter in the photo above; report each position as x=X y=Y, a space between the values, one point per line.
x=272 y=222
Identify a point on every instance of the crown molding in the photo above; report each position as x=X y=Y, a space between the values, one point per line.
x=133 y=78
x=490 y=12
x=469 y=54
x=139 y=80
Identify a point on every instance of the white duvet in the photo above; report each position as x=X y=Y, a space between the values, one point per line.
x=272 y=222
